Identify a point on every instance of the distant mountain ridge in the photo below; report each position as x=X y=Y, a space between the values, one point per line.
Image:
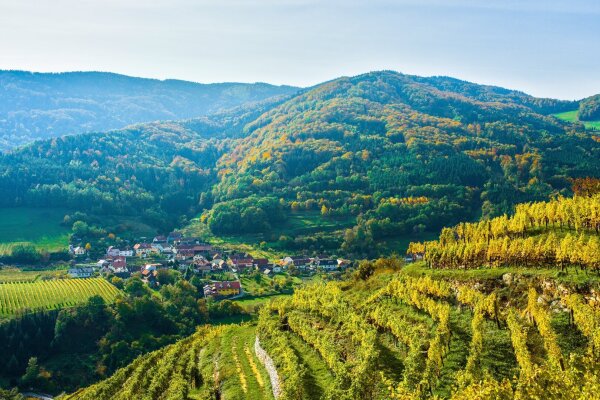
x=44 y=105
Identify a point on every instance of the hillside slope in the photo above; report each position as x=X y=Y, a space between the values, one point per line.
x=157 y=171
x=398 y=154
x=43 y=105
x=341 y=167
x=474 y=329
x=387 y=336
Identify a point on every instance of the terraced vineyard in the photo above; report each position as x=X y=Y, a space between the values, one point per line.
x=51 y=294
x=391 y=337
x=418 y=337
x=395 y=332
x=216 y=362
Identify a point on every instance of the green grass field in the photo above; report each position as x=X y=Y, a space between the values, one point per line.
x=306 y=222
x=572 y=116
x=38 y=226
x=51 y=294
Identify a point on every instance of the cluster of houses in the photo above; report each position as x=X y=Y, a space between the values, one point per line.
x=177 y=251
x=311 y=264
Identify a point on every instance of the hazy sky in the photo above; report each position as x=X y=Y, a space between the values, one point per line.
x=544 y=47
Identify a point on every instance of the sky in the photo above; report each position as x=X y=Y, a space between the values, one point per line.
x=548 y=48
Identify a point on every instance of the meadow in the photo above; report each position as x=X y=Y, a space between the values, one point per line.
x=572 y=116
x=51 y=294
x=38 y=226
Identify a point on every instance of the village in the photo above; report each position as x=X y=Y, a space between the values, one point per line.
x=221 y=269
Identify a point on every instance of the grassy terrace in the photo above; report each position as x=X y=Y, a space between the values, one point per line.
x=247 y=377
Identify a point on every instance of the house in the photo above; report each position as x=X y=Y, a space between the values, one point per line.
x=267 y=271
x=328 y=265
x=300 y=262
x=160 y=239
x=203 y=268
x=219 y=264
x=241 y=264
x=79 y=251
x=303 y=263
x=264 y=267
x=202 y=249
x=105 y=270
x=114 y=265
x=166 y=250
x=148 y=267
x=222 y=289
x=174 y=237
x=162 y=248
x=143 y=250
x=260 y=263
x=184 y=254
x=119 y=263
x=83 y=272
x=149 y=272
x=127 y=252
x=199 y=260
x=342 y=263
x=287 y=261
x=189 y=240
x=112 y=251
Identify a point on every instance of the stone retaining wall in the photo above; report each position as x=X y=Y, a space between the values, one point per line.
x=267 y=361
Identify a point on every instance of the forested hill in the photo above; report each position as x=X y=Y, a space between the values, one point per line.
x=45 y=105
x=401 y=154
x=346 y=165
x=156 y=171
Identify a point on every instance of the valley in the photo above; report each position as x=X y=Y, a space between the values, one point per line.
x=299 y=200
x=428 y=328
x=382 y=236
